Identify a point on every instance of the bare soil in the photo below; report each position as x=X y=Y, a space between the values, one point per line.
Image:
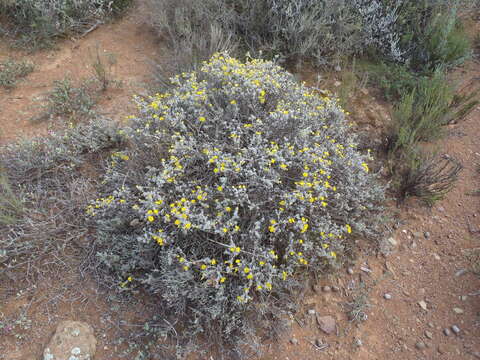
x=436 y=263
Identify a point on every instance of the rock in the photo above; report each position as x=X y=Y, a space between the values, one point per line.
x=461 y=272
x=436 y=256
x=388 y=246
x=73 y=340
x=463 y=298
x=337 y=83
x=294 y=341
x=318 y=342
x=458 y=311
x=423 y=305
x=365 y=269
x=335 y=288
x=456 y=329
x=327 y=289
x=428 y=334
x=430 y=324
x=358 y=342
x=311 y=311
x=426 y=234
x=327 y=324
x=420 y=345
x=338 y=68
x=446 y=331
x=387 y=296
x=350 y=271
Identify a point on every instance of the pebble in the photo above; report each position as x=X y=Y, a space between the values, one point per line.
x=327 y=289
x=461 y=272
x=420 y=345
x=446 y=331
x=311 y=312
x=318 y=342
x=365 y=269
x=456 y=329
x=430 y=324
x=463 y=298
x=294 y=341
x=350 y=271
x=358 y=342
x=458 y=311
x=423 y=305
x=426 y=234
x=335 y=289
x=428 y=334
x=387 y=296
x=435 y=255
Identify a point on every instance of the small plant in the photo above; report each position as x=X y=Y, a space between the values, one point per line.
x=235 y=182
x=428 y=177
x=102 y=68
x=67 y=100
x=422 y=113
x=11 y=206
x=12 y=70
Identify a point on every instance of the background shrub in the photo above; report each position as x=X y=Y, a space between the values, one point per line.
x=45 y=185
x=36 y=23
x=234 y=182
x=12 y=70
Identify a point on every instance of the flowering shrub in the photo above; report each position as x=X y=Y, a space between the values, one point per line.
x=234 y=181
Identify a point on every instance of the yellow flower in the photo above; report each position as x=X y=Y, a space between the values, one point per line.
x=228 y=209
x=129 y=278
x=203 y=267
x=233 y=102
x=333 y=254
x=246 y=270
x=188 y=226
x=219 y=188
x=222 y=280
x=349 y=228
x=177 y=222
x=213 y=261
x=249 y=276
x=271 y=228
x=181 y=259
x=268 y=286
x=201 y=119
x=151 y=218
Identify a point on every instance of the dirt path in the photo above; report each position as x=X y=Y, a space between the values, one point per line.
x=407 y=298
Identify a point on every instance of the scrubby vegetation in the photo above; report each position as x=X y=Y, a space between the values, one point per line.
x=218 y=211
x=35 y=24
x=11 y=71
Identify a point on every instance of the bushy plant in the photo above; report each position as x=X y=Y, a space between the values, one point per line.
x=45 y=185
x=234 y=182
x=36 y=23
x=12 y=70
x=427 y=176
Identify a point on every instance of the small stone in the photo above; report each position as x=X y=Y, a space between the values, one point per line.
x=420 y=345
x=311 y=311
x=327 y=288
x=387 y=296
x=327 y=324
x=456 y=329
x=461 y=272
x=426 y=234
x=458 y=311
x=365 y=269
x=294 y=341
x=358 y=342
x=350 y=271
x=430 y=324
x=436 y=256
x=441 y=209
x=423 y=305
x=337 y=83
x=446 y=332
x=428 y=334
x=318 y=342
x=463 y=298
x=335 y=288
x=338 y=68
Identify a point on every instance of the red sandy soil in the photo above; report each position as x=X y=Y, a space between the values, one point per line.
x=438 y=269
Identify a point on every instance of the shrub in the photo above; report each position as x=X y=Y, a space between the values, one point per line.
x=428 y=177
x=234 y=182
x=67 y=100
x=36 y=23
x=45 y=185
x=421 y=113
x=11 y=71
